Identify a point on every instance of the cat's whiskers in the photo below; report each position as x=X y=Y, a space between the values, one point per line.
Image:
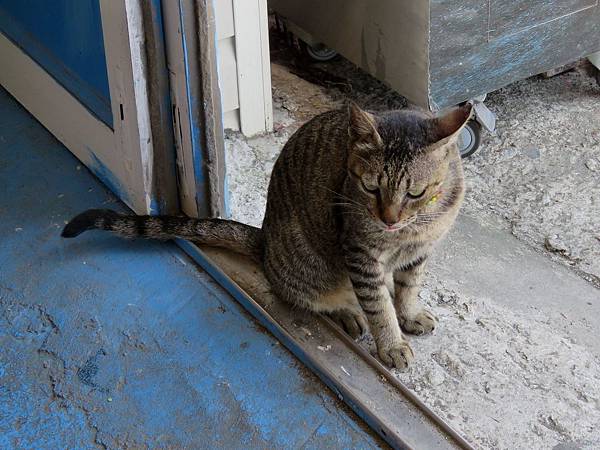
x=350 y=208
x=424 y=221
x=398 y=226
x=428 y=217
x=343 y=204
x=354 y=209
x=438 y=213
x=342 y=196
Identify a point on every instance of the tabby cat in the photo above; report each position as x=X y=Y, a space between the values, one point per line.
x=355 y=204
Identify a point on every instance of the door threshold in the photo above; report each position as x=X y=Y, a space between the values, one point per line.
x=356 y=377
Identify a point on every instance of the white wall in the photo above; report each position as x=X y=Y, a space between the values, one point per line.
x=244 y=65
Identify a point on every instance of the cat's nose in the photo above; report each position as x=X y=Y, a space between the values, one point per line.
x=390 y=216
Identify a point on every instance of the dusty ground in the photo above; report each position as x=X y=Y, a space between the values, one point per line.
x=540 y=176
x=541 y=172
x=505 y=378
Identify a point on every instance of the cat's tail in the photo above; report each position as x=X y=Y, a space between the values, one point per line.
x=228 y=234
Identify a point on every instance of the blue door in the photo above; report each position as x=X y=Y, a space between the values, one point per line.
x=65 y=38
x=81 y=68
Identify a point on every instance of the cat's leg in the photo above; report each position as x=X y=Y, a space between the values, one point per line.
x=342 y=306
x=338 y=302
x=412 y=316
x=352 y=322
x=368 y=279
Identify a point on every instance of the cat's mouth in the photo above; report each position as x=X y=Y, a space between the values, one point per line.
x=394 y=228
x=398 y=226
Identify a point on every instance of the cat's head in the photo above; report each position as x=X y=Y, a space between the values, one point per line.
x=399 y=162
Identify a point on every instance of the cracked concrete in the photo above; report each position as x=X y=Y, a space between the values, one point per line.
x=26 y=329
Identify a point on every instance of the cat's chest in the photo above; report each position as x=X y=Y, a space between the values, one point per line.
x=402 y=254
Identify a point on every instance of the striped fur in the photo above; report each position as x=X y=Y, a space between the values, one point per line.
x=216 y=232
x=324 y=230
x=355 y=204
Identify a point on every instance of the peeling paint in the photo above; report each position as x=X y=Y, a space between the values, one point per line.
x=107 y=177
x=131 y=349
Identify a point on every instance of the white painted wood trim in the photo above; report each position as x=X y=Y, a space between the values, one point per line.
x=57 y=109
x=191 y=45
x=265 y=54
x=123 y=43
x=253 y=67
x=227 y=64
x=224 y=18
x=179 y=98
x=227 y=69
x=231 y=120
x=143 y=132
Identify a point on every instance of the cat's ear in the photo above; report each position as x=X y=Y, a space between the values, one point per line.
x=362 y=126
x=447 y=125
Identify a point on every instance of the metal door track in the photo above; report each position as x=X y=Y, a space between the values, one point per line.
x=358 y=379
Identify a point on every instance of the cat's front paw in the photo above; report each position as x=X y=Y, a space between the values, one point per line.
x=353 y=323
x=398 y=355
x=422 y=322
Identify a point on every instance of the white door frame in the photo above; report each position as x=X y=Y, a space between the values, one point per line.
x=219 y=69
x=190 y=35
x=122 y=157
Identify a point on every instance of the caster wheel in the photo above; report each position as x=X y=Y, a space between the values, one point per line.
x=469 y=138
x=320 y=52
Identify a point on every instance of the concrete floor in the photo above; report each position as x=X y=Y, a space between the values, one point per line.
x=515 y=362
x=540 y=173
x=127 y=344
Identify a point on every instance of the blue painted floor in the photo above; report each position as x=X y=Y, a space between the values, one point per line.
x=106 y=343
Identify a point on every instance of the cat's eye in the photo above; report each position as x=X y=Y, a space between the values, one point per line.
x=416 y=192
x=371 y=189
